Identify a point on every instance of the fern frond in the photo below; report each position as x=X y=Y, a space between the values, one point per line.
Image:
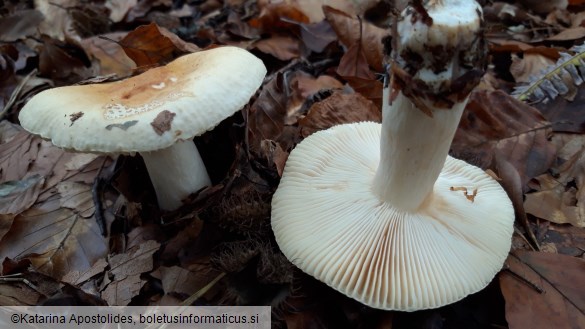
x=562 y=78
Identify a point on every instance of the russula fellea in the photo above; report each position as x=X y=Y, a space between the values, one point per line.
x=156 y=113
x=381 y=212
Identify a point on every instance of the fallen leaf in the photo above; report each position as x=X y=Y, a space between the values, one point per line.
x=151 y=45
x=561 y=198
x=494 y=121
x=354 y=68
x=267 y=114
x=236 y=26
x=314 y=8
x=120 y=293
x=305 y=85
x=282 y=47
x=529 y=65
x=338 y=109
x=58 y=232
x=565 y=116
x=17 y=196
x=509 y=178
x=317 y=36
x=77 y=197
x=566 y=239
x=573 y=33
x=177 y=280
x=135 y=261
x=111 y=57
x=18 y=294
x=77 y=277
x=352 y=31
x=119 y=8
x=57 y=240
x=304 y=89
x=560 y=304
x=58 y=64
x=354 y=64
x=544 y=7
x=57 y=23
x=88 y=19
x=20 y=25
x=277 y=17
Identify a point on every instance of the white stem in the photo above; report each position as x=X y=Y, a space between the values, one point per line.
x=435 y=52
x=176 y=172
x=413 y=149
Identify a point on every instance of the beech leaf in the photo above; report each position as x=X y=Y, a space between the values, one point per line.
x=550 y=292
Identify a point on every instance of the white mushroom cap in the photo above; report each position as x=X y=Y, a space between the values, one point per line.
x=150 y=111
x=155 y=113
x=330 y=224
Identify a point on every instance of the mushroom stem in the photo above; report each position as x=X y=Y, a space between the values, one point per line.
x=413 y=150
x=438 y=60
x=175 y=173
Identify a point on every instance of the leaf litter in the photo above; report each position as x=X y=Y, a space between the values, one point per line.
x=325 y=68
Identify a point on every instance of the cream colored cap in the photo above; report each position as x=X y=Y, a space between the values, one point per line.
x=330 y=224
x=150 y=111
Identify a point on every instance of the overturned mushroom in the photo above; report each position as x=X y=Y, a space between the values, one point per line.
x=156 y=113
x=369 y=209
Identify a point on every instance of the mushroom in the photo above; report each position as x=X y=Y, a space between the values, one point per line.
x=381 y=213
x=156 y=113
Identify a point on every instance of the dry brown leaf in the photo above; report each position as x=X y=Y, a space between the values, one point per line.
x=544 y=7
x=354 y=68
x=317 y=36
x=20 y=25
x=151 y=45
x=57 y=23
x=120 y=293
x=313 y=8
x=352 y=31
x=566 y=239
x=111 y=57
x=77 y=197
x=338 y=109
x=531 y=64
x=561 y=198
x=267 y=114
x=560 y=304
x=303 y=86
x=569 y=34
x=354 y=64
x=119 y=8
x=174 y=247
x=566 y=116
x=277 y=16
x=57 y=240
x=494 y=122
x=77 y=277
x=135 y=261
x=18 y=294
x=17 y=196
x=177 y=280
x=284 y=48
x=63 y=61
x=57 y=232
x=237 y=27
